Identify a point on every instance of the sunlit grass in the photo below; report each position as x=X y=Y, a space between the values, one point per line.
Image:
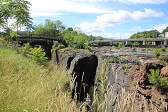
x=24 y=85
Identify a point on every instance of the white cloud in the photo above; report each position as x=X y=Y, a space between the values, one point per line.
x=143 y=1
x=114 y=35
x=122 y=16
x=110 y=20
x=115 y=17
x=129 y=1
x=90 y=27
x=159 y=27
x=54 y=7
x=138 y=15
x=137 y=27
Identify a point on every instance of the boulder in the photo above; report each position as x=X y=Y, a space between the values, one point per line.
x=151 y=64
x=164 y=72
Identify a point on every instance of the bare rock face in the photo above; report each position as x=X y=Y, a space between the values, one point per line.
x=83 y=70
x=146 y=67
x=117 y=80
x=133 y=78
x=164 y=72
x=151 y=64
x=145 y=89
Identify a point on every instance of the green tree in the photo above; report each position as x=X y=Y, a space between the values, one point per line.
x=74 y=39
x=52 y=28
x=17 y=10
x=146 y=34
x=165 y=30
x=5 y=12
x=156 y=80
x=21 y=13
x=58 y=25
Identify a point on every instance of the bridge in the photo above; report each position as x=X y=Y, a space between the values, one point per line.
x=27 y=38
x=130 y=42
x=45 y=41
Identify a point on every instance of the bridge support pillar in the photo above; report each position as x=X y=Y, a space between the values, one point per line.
x=144 y=43
x=111 y=43
x=165 y=42
x=126 y=42
x=153 y=43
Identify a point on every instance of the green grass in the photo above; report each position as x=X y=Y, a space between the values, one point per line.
x=24 y=85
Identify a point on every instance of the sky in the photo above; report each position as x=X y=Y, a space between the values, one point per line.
x=113 y=19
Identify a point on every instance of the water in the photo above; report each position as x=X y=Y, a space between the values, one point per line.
x=128 y=53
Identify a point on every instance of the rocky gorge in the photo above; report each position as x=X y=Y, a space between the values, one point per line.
x=126 y=77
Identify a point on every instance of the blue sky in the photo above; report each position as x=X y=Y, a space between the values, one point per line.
x=111 y=19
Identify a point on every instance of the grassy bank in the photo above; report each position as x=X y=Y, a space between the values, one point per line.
x=24 y=85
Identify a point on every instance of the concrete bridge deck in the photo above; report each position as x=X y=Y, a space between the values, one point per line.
x=141 y=41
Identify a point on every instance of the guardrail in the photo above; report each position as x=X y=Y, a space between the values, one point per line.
x=39 y=36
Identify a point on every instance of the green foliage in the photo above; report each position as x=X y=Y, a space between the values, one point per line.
x=146 y=34
x=14 y=9
x=166 y=49
x=51 y=28
x=156 y=80
x=157 y=52
x=134 y=49
x=162 y=49
x=27 y=86
x=148 y=43
x=136 y=43
x=125 y=69
x=121 y=45
x=75 y=40
x=13 y=34
x=163 y=58
x=36 y=53
x=6 y=34
x=165 y=30
x=45 y=30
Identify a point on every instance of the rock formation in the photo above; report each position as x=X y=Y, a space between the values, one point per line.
x=83 y=71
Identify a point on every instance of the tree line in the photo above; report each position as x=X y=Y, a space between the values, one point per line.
x=18 y=10
x=73 y=36
x=150 y=34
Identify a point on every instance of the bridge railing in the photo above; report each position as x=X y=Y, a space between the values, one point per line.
x=41 y=36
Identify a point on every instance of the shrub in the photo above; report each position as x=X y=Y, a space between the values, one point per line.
x=163 y=58
x=157 y=52
x=162 y=49
x=166 y=50
x=36 y=53
x=121 y=45
x=156 y=80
